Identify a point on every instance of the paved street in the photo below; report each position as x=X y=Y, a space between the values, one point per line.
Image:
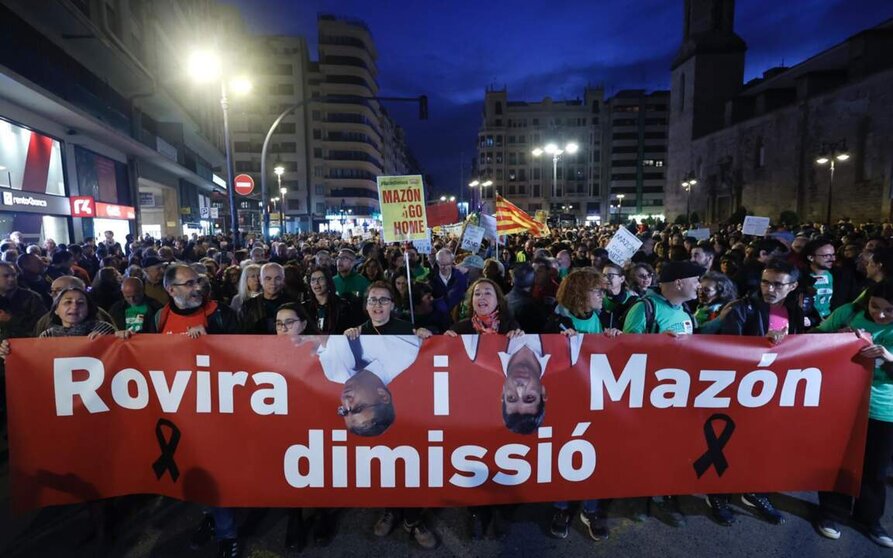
x=159 y=527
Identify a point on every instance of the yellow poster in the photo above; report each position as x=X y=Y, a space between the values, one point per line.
x=402 y=201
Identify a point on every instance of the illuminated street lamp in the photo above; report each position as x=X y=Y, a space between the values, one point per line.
x=555 y=151
x=620 y=207
x=475 y=184
x=832 y=153
x=205 y=67
x=687 y=184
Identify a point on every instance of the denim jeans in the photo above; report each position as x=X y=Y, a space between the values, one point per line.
x=589 y=506
x=224 y=523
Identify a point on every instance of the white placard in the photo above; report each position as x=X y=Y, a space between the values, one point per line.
x=756 y=226
x=423 y=246
x=489 y=224
x=699 y=234
x=472 y=238
x=215 y=213
x=622 y=246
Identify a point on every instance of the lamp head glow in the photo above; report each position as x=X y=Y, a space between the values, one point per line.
x=487 y=183
x=241 y=86
x=452 y=198
x=442 y=198
x=283 y=191
x=572 y=148
x=822 y=160
x=204 y=66
x=474 y=183
x=552 y=149
x=537 y=152
x=279 y=170
x=693 y=181
x=843 y=156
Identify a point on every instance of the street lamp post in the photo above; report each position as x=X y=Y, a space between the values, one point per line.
x=206 y=66
x=831 y=153
x=475 y=184
x=687 y=185
x=279 y=170
x=620 y=208
x=555 y=151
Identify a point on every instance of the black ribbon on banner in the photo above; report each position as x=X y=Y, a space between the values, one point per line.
x=168 y=446
x=714 y=456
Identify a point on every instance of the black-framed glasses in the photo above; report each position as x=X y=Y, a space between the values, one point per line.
x=191 y=284
x=345 y=411
x=382 y=301
x=286 y=324
x=317 y=279
x=612 y=275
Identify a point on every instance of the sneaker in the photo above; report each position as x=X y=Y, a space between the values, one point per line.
x=596 y=524
x=827 y=528
x=880 y=537
x=763 y=507
x=666 y=509
x=722 y=512
x=203 y=533
x=422 y=535
x=229 y=548
x=385 y=523
x=560 y=522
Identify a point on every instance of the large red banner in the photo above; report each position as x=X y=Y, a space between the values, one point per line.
x=386 y=420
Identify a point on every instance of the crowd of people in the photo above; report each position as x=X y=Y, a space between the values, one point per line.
x=792 y=280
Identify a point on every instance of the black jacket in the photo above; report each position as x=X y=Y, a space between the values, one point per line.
x=255 y=317
x=530 y=313
x=749 y=315
x=463 y=327
x=26 y=307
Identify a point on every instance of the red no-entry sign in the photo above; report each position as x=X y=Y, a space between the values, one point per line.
x=244 y=184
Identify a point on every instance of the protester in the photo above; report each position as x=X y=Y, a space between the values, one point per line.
x=249 y=286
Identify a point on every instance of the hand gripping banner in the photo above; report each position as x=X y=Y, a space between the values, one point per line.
x=387 y=420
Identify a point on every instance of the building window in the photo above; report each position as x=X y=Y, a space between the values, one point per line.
x=498 y=139
x=317 y=133
x=317 y=116
x=498 y=107
x=319 y=189
x=682 y=93
x=536 y=190
x=321 y=208
x=760 y=159
x=317 y=152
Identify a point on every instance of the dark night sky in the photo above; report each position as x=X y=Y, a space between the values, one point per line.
x=452 y=50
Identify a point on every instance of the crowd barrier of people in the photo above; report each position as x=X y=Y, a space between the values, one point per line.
x=793 y=280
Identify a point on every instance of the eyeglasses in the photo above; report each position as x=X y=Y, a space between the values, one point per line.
x=286 y=324
x=344 y=411
x=383 y=301
x=776 y=285
x=317 y=280
x=191 y=284
x=832 y=255
x=612 y=275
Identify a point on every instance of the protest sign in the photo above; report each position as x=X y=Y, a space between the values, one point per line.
x=698 y=234
x=442 y=213
x=756 y=226
x=402 y=202
x=622 y=246
x=472 y=238
x=489 y=224
x=207 y=421
x=423 y=246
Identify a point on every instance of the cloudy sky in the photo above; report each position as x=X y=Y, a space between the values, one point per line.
x=453 y=50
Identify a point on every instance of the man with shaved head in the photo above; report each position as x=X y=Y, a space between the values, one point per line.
x=136 y=312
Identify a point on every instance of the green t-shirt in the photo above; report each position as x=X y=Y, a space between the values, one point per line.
x=824 y=287
x=135 y=316
x=587 y=325
x=611 y=305
x=848 y=315
x=354 y=284
x=667 y=317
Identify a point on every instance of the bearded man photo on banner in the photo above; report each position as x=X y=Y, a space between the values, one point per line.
x=366 y=365
x=524 y=362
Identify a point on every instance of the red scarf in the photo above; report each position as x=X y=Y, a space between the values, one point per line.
x=486 y=324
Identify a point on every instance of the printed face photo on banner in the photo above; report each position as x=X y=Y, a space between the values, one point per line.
x=366 y=366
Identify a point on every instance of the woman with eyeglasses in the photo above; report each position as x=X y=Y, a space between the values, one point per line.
x=292 y=321
x=331 y=314
x=379 y=306
x=716 y=291
x=640 y=278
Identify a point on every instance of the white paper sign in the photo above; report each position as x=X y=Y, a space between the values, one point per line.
x=472 y=238
x=699 y=234
x=756 y=226
x=489 y=224
x=423 y=246
x=215 y=213
x=622 y=246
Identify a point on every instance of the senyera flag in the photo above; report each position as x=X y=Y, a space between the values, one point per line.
x=511 y=219
x=395 y=421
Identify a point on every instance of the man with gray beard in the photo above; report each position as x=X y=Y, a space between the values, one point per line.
x=188 y=313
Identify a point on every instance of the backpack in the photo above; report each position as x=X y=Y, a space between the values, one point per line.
x=650 y=322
